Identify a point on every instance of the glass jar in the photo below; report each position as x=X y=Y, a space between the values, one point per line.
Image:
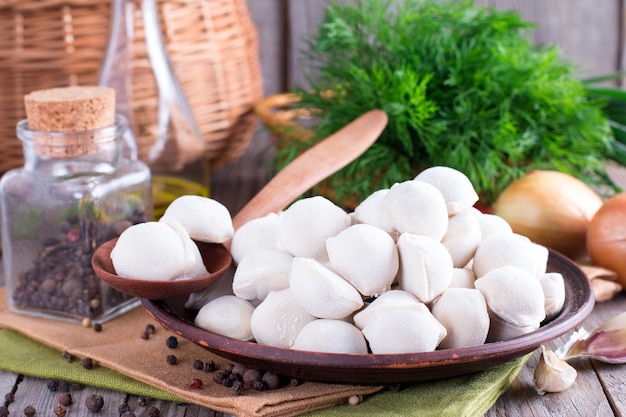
x=148 y=93
x=75 y=191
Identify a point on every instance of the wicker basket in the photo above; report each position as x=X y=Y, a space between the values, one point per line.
x=214 y=49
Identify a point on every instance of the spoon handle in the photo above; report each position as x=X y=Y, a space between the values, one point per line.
x=312 y=166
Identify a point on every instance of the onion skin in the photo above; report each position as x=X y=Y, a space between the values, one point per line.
x=606 y=237
x=551 y=208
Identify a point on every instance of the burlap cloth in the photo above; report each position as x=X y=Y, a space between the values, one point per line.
x=126 y=362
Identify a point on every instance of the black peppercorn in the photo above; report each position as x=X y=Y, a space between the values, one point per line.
x=64 y=386
x=30 y=411
x=142 y=401
x=67 y=355
x=97 y=327
x=154 y=412
x=271 y=380
x=9 y=398
x=4 y=412
x=150 y=328
x=94 y=403
x=171 y=342
x=209 y=366
x=239 y=369
x=171 y=359
x=60 y=410
x=123 y=408
x=76 y=386
x=258 y=385
x=198 y=364
x=237 y=387
x=127 y=414
x=145 y=335
x=251 y=376
x=87 y=363
x=53 y=385
x=65 y=399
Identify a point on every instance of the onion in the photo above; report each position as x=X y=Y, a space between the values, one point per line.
x=606 y=237
x=550 y=208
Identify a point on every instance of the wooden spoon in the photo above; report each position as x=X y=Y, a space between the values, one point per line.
x=308 y=169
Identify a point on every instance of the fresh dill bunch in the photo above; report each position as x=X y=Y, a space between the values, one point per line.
x=463 y=87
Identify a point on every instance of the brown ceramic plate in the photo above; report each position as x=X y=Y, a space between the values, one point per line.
x=385 y=369
x=216 y=259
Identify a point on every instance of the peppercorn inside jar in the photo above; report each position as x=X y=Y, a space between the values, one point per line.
x=76 y=191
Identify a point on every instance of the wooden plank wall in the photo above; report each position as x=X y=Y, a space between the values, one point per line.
x=589 y=32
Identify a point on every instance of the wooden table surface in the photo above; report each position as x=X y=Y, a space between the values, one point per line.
x=599 y=390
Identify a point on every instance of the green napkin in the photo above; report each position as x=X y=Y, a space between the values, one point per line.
x=463 y=396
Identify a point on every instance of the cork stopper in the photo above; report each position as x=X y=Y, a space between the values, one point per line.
x=69 y=110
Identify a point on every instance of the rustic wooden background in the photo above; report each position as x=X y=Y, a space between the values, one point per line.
x=589 y=32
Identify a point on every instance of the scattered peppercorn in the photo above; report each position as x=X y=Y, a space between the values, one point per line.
x=271 y=380
x=237 y=387
x=198 y=364
x=171 y=359
x=65 y=399
x=251 y=375
x=229 y=368
x=194 y=384
x=294 y=382
x=145 y=335
x=94 y=403
x=209 y=366
x=53 y=385
x=87 y=363
x=154 y=412
x=4 y=412
x=67 y=355
x=30 y=411
x=64 y=386
x=258 y=385
x=123 y=408
x=150 y=328
x=142 y=401
x=76 y=386
x=172 y=342
x=97 y=327
x=9 y=398
x=239 y=369
x=127 y=414
x=60 y=410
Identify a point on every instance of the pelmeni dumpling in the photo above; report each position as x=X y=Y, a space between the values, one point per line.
x=257 y=234
x=261 y=272
x=490 y=224
x=463 y=312
x=462 y=278
x=223 y=286
x=307 y=223
x=507 y=249
x=454 y=185
x=369 y=211
x=543 y=253
x=514 y=295
x=462 y=237
x=417 y=207
x=425 y=266
x=205 y=219
x=403 y=330
x=227 y=315
x=554 y=293
x=392 y=299
x=278 y=319
x=366 y=257
x=153 y=251
x=320 y=291
x=330 y=336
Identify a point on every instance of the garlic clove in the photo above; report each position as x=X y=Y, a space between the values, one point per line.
x=607 y=343
x=553 y=374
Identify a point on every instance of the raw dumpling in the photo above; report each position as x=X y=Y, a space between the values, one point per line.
x=554 y=293
x=425 y=266
x=223 y=286
x=366 y=257
x=454 y=185
x=257 y=234
x=403 y=331
x=392 y=299
x=320 y=291
x=331 y=336
x=463 y=312
x=261 y=272
x=227 y=315
x=490 y=224
x=507 y=249
x=417 y=207
x=153 y=251
x=462 y=278
x=205 y=219
x=514 y=296
x=307 y=223
x=370 y=211
x=198 y=269
x=278 y=319
x=462 y=237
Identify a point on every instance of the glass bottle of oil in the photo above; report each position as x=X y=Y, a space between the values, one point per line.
x=149 y=95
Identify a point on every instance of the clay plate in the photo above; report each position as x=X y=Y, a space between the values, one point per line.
x=369 y=369
x=216 y=259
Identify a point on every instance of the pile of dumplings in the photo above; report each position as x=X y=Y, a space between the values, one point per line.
x=413 y=268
